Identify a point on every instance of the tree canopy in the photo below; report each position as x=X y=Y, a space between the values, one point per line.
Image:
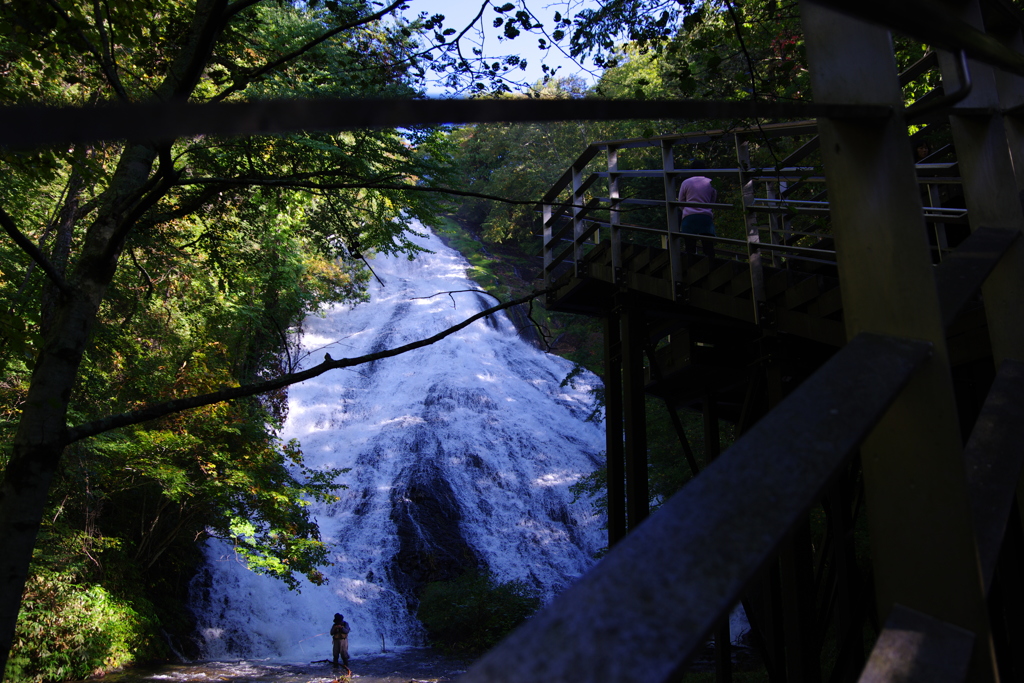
x=144 y=272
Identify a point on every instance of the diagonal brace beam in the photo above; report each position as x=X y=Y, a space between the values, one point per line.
x=960 y=276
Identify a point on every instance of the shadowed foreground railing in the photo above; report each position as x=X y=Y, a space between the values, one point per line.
x=655 y=599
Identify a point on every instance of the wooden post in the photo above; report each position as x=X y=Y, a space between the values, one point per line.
x=633 y=342
x=923 y=547
x=578 y=225
x=712 y=448
x=989 y=184
x=615 y=464
x=548 y=247
x=757 y=292
x=613 y=214
x=675 y=237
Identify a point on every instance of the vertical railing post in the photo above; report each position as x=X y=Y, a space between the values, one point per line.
x=614 y=219
x=919 y=515
x=757 y=293
x=1011 y=97
x=578 y=225
x=712 y=449
x=935 y=201
x=548 y=247
x=776 y=221
x=675 y=238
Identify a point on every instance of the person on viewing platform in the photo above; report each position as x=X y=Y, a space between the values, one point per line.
x=698 y=220
x=339 y=633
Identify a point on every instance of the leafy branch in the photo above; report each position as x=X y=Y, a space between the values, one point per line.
x=33 y=251
x=240 y=84
x=104 y=58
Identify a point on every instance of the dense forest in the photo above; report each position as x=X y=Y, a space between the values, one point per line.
x=146 y=280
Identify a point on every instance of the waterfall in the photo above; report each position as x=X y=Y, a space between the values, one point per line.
x=461 y=455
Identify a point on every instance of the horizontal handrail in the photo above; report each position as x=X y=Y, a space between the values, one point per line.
x=772 y=246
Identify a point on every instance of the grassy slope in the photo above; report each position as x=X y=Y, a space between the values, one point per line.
x=508 y=271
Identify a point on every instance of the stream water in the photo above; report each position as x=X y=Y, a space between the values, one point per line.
x=461 y=455
x=421 y=665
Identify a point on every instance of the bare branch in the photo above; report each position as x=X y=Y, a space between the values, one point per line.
x=456 y=291
x=106 y=424
x=33 y=251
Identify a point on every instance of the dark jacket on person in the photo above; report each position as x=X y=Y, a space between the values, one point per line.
x=340 y=630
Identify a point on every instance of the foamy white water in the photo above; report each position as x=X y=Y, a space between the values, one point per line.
x=460 y=453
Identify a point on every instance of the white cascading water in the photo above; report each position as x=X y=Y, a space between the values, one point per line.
x=461 y=454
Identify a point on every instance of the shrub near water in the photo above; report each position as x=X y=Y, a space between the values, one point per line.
x=470 y=614
x=70 y=630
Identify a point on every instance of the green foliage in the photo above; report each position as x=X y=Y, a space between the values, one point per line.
x=470 y=614
x=667 y=469
x=521 y=162
x=73 y=623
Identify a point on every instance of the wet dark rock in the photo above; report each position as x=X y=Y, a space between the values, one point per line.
x=520 y=317
x=443 y=398
x=428 y=521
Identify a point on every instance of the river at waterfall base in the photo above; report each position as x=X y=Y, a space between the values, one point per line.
x=412 y=664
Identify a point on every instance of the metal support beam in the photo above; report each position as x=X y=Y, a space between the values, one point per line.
x=634 y=341
x=616 y=470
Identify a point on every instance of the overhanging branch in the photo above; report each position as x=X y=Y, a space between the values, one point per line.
x=33 y=251
x=298 y=52
x=308 y=185
x=22 y=127
x=106 y=424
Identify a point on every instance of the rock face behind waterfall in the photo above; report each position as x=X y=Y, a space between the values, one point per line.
x=428 y=524
x=460 y=454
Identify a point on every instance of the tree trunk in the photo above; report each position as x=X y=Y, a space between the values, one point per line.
x=40 y=438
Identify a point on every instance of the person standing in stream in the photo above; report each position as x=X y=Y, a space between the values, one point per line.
x=339 y=633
